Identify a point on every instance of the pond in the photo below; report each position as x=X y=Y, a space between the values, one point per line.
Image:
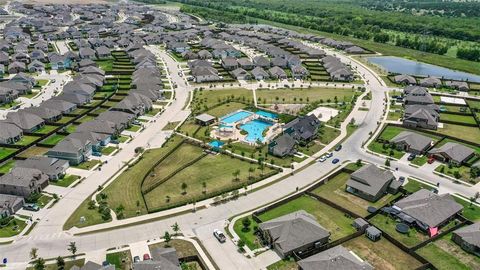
x=404 y=66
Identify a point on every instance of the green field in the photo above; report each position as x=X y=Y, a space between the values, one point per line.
x=45 y=129
x=68 y=264
x=108 y=150
x=470 y=211
x=14 y=227
x=283 y=265
x=461 y=119
x=224 y=109
x=91 y=216
x=385 y=150
x=463 y=173
x=470 y=134
x=249 y=237
x=87 y=165
x=205 y=99
x=330 y=218
x=304 y=95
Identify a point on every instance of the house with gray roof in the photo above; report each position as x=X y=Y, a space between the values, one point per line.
x=468 y=238
x=453 y=153
x=103 y=52
x=76 y=99
x=162 y=258
x=205 y=119
x=47 y=114
x=241 y=74
x=412 y=142
x=10 y=133
x=421 y=116
x=261 y=61
x=277 y=73
x=299 y=71
x=303 y=128
x=417 y=95
x=427 y=210
x=458 y=85
x=430 y=82
x=336 y=258
x=54 y=168
x=229 y=63
x=135 y=103
x=205 y=74
x=7 y=95
x=259 y=73
x=60 y=105
x=283 y=145
x=23 y=182
x=87 y=53
x=294 y=232
x=75 y=87
x=74 y=150
x=10 y=204
x=28 y=122
x=404 y=79
x=121 y=119
x=93 y=266
x=371 y=183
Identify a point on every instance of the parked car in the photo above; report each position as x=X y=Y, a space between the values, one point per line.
x=411 y=157
x=136 y=259
x=146 y=257
x=322 y=159
x=53 y=80
x=430 y=160
x=31 y=207
x=401 y=179
x=219 y=235
x=329 y=155
x=338 y=147
x=96 y=154
x=335 y=161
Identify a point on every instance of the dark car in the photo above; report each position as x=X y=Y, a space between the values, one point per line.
x=31 y=207
x=411 y=157
x=335 y=161
x=338 y=147
x=136 y=259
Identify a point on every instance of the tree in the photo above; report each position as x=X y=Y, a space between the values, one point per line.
x=387 y=162
x=235 y=174
x=91 y=204
x=176 y=228
x=39 y=264
x=167 y=238
x=33 y=253
x=204 y=185
x=72 y=247
x=359 y=162
x=250 y=172
x=60 y=263
x=246 y=224
x=184 y=188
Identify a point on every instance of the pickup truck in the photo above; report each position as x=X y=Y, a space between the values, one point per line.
x=219 y=235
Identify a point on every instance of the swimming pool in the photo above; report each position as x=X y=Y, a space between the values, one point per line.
x=235 y=117
x=255 y=129
x=216 y=144
x=267 y=114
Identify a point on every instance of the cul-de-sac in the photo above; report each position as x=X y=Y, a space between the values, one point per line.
x=239 y=134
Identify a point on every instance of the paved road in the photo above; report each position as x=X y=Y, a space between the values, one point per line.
x=52 y=242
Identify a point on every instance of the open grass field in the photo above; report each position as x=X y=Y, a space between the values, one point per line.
x=225 y=109
x=14 y=227
x=205 y=99
x=328 y=134
x=387 y=151
x=217 y=173
x=171 y=125
x=330 y=218
x=461 y=119
x=463 y=173
x=92 y=217
x=182 y=156
x=445 y=254
x=470 y=134
x=304 y=95
x=381 y=254
x=387 y=224
x=132 y=178
x=334 y=191
x=87 y=165
x=262 y=152
x=122 y=259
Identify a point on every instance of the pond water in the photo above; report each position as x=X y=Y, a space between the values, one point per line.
x=404 y=66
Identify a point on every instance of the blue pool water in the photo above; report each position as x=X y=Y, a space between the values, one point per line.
x=267 y=114
x=404 y=66
x=216 y=144
x=255 y=129
x=235 y=117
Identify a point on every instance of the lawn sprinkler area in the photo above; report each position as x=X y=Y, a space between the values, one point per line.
x=249 y=127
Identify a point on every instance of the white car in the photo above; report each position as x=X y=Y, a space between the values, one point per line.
x=328 y=155
x=219 y=235
x=322 y=159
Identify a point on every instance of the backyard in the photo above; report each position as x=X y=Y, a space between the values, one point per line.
x=53 y=139
x=14 y=227
x=470 y=134
x=387 y=224
x=122 y=259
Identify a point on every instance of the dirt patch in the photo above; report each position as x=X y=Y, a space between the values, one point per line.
x=287 y=108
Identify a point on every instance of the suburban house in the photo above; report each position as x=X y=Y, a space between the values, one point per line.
x=93 y=266
x=259 y=73
x=417 y=95
x=23 y=182
x=229 y=63
x=430 y=82
x=47 y=114
x=303 y=129
x=421 y=116
x=371 y=183
x=412 y=142
x=299 y=72
x=135 y=103
x=453 y=153
x=87 y=53
x=53 y=167
x=404 y=79
x=28 y=122
x=205 y=74
x=277 y=73
x=283 y=145
x=426 y=210
x=294 y=232
x=10 y=133
x=10 y=204
x=162 y=258
x=459 y=85
x=241 y=74
x=261 y=61
x=73 y=150
x=63 y=106
x=468 y=238
x=334 y=258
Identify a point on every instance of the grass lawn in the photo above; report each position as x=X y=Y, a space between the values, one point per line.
x=251 y=240
x=304 y=95
x=153 y=112
x=41 y=82
x=134 y=128
x=334 y=191
x=255 y=153
x=328 y=134
x=92 y=217
x=34 y=151
x=6 y=151
x=123 y=139
x=391 y=131
x=470 y=134
x=188 y=127
x=217 y=173
x=378 y=147
x=126 y=189
x=467 y=119
x=387 y=224
x=53 y=139
x=108 y=150
x=9 y=105
x=420 y=160
x=87 y=165
x=26 y=140
x=445 y=254
x=45 y=129
x=471 y=212
x=310 y=149
x=460 y=173
x=122 y=259
x=171 y=125
x=205 y=99
x=44 y=200
x=68 y=264
x=331 y=219
x=225 y=109
x=183 y=248
x=14 y=227
x=7 y=166
x=381 y=254
x=71 y=128
x=413 y=186
x=66 y=181
x=106 y=65
x=283 y=265
x=86 y=118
